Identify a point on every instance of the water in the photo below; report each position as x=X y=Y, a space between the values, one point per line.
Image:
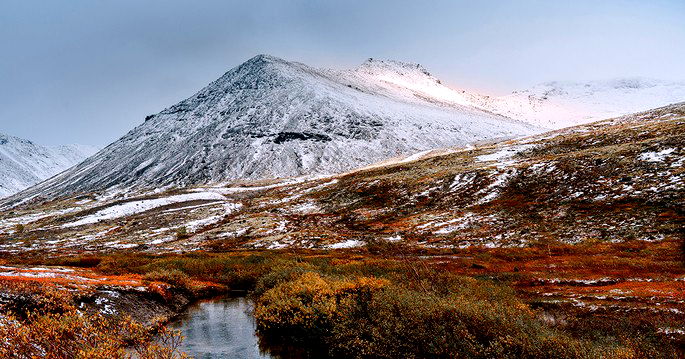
x=225 y=328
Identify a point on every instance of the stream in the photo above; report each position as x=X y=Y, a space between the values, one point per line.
x=224 y=328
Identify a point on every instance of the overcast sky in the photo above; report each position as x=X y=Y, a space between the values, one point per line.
x=87 y=71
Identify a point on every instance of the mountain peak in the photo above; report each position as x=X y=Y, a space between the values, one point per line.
x=261 y=62
x=265 y=58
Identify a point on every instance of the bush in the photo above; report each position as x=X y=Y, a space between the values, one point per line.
x=182 y=233
x=73 y=335
x=173 y=276
x=310 y=304
x=19 y=228
x=453 y=318
x=280 y=273
x=56 y=329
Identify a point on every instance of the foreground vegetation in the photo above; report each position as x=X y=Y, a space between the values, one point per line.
x=56 y=329
x=356 y=305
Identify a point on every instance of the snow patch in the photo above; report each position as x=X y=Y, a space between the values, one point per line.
x=134 y=207
x=350 y=243
x=656 y=156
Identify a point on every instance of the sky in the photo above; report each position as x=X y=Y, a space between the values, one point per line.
x=88 y=71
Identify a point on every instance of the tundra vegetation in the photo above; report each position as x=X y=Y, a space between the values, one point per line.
x=347 y=304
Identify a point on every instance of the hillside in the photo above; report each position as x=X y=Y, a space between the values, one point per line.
x=611 y=180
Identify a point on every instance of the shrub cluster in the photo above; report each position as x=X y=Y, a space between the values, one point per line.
x=366 y=317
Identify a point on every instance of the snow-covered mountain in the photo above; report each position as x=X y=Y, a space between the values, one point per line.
x=561 y=104
x=271 y=118
x=24 y=163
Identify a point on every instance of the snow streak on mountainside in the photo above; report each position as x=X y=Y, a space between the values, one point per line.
x=270 y=118
x=561 y=104
x=24 y=163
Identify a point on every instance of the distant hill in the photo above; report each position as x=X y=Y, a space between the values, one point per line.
x=24 y=163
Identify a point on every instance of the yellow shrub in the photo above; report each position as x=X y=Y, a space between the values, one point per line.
x=309 y=302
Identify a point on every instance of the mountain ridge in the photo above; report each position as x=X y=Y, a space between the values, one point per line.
x=559 y=104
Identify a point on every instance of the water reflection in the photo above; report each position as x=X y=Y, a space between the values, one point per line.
x=225 y=328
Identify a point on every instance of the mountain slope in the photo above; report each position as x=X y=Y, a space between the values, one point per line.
x=561 y=104
x=24 y=163
x=615 y=181
x=270 y=118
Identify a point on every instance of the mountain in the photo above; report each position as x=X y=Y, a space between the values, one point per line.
x=271 y=118
x=562 y=104
x=24 y=163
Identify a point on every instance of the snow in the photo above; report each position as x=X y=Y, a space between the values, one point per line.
x=561 y=104
x=462 y=180
x=160 y=240
x=350 y=243
x=193 y=226
x=671 y=331
x=305 y=208
x=504 y=153
x=7 y=224
x=656 y=156
x=415 y=157
x=204 y=222
x=107 y=307
x=500 y=181
x=134 y=207
x=117 y=245
x=236 y=233
x=32 y=273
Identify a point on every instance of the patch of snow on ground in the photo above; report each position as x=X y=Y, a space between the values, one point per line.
x=29 y=218
x=394 y=238
x=461 y=180
x=414 y=157
x=193 y=226
x=161 y=240
x=329 y=183
x=671 y=331
x=189 y=207
x=29 y=273
x=449 y=227
x=492 y=191
x=134 y=207
x=117 y=245
x=656 y=156
x=204 y=222
x=505 y=153
x=350 y=243
x=305 y=208
x=236 y=233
